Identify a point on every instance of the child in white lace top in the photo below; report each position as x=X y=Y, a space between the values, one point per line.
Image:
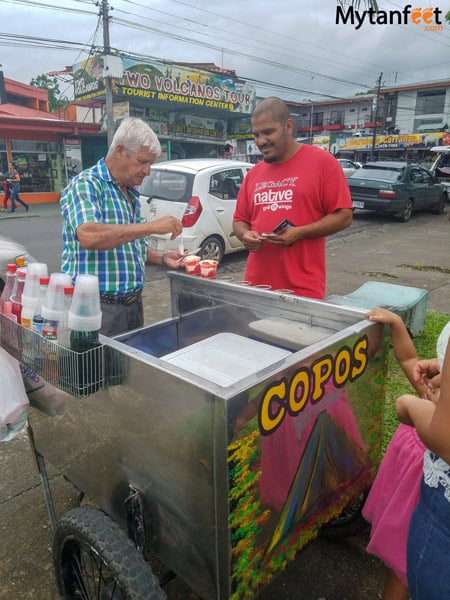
x=428 y=548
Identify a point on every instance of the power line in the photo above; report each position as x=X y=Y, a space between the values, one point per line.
x=164 y=33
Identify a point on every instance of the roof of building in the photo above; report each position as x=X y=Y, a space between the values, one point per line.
x=416 y=86
x=207 y=66
x=24 y=112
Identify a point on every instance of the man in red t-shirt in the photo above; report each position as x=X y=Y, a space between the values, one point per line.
x=299 y=183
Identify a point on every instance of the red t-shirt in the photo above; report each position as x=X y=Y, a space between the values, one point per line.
x=303 y=189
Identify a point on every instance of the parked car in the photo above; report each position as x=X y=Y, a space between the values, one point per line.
x=441 y=166
x=11 y=252
x=202 y=194
x=396 y=187
x=348 y=166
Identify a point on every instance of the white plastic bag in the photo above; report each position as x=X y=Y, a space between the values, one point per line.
x=13 y=398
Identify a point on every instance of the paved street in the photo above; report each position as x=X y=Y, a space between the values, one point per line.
x=416 y=254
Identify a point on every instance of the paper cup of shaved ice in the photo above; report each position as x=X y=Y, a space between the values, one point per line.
x=208 y=268
x=192 y=264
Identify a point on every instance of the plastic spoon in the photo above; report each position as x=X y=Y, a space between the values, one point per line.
x=195 y=252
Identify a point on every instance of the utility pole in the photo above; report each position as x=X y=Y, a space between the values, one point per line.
x=375 y=111
x=108 y=82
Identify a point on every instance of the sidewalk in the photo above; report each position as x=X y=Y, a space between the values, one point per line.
x=50 y=209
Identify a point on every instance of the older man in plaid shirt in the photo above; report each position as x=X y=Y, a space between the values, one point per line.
x=103 y=232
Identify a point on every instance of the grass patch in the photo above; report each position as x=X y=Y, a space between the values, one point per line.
x=397 y=384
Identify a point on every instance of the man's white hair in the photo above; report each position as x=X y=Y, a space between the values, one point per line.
x=134 y=133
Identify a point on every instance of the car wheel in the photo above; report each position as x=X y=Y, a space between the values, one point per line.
x=405 y=214
x=349 y=523
x=438 y=209
x=212 y=248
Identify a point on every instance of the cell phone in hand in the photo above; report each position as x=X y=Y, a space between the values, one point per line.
x=284 y=223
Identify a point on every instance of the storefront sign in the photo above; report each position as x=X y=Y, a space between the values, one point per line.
x=241 y=129
x=121 y=110
x=72 y=154
x=323 y=141
x=170 y=83
x=183 y=125
x=410 y=140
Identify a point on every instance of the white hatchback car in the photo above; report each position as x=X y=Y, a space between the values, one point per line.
x=202 y=194
x=12 y=252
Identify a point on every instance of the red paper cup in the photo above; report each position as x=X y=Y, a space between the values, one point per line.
x=192 y=264
x=208 y=268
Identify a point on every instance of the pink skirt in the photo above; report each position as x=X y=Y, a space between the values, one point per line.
x=393 y=497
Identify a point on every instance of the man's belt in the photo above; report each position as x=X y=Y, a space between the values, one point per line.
x=111 y=298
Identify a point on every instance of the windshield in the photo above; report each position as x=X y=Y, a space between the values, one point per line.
x=377 y=172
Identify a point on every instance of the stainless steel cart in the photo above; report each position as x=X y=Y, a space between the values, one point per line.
x=220 y=440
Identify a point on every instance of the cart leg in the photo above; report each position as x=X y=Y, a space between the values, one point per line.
x=40 y=466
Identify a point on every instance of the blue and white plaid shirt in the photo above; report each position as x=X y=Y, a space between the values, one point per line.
x=94 y=196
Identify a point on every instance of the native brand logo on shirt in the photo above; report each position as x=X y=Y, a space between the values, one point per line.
x=275 y=195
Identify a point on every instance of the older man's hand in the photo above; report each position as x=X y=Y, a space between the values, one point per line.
x=167 y=224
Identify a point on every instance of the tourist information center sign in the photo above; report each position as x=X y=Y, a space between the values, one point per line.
x=166 y=82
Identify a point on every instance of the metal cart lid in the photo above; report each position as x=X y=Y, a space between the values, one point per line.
x=226 y=358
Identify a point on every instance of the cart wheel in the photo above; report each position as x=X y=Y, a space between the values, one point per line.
x=349 y=523
x=94 y=558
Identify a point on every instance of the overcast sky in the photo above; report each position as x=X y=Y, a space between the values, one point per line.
x=294 y=44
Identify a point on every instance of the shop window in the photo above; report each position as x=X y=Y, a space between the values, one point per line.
x=37 y=163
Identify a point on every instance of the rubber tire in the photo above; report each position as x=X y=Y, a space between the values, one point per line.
x=212 y=248
x=405 y=214
x=103 y=544
x=439 y=208
x=349 y=523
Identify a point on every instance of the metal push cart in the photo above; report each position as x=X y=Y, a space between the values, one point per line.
x=220 y=440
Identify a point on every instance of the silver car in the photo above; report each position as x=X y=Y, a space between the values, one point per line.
x=348 y=166
x=202 y=194
x=11 y=252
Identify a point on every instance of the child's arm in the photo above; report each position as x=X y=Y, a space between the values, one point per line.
x=402 y=344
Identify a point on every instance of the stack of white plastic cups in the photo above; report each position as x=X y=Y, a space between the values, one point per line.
x=54 y=304
x=30 y=295
x=85 y=315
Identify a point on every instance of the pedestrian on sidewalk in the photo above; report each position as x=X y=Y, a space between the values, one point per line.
x=7 y=193
x=14 y=181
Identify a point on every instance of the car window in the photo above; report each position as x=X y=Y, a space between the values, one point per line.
x=226 y=184
x=427 y=177
x=377 y=172
x=167 y=185
x=416 y=176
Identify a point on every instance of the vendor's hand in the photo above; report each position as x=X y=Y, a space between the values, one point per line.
x=252 y=241
x=173 y=259
x=167 y=224
x=286 y=237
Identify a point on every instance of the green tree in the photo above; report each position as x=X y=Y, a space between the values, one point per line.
x=55 y=99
